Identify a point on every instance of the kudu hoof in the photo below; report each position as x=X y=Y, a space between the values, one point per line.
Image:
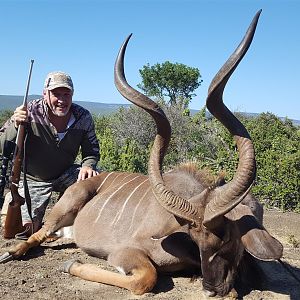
x=67 y=265
x=6 y=257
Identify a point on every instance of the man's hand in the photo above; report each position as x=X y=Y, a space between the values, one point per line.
x=20 y=115
x=86 y=172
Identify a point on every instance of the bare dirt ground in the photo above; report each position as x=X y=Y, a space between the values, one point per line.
x=37 y=274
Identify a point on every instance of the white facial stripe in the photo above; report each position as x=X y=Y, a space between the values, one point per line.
x=157 y=239
x=212 y=257
x=120 y=270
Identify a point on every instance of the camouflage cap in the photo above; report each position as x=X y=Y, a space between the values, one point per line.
x=58 y=79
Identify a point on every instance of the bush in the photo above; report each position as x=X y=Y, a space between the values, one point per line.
x=127 y=136
x=4 y=116
x=278 y=161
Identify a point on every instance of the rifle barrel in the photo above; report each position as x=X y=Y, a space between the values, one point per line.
x=18 y=157
x=28 y=83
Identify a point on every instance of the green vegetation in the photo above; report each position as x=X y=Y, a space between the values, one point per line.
x=5 y=115
x=126 y=138
x=127 y=135
x=278 y=161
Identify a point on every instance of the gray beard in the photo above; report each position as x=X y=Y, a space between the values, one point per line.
x=59 y=114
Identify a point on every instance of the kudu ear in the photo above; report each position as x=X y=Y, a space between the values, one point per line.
x=256 y=240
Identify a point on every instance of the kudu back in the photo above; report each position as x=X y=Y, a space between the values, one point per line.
x=163 y=223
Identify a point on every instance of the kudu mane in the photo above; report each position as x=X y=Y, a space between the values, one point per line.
x=203 y=176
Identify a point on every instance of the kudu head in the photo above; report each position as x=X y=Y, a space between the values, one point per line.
x=219 y=223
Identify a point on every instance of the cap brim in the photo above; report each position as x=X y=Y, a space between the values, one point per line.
x=55 y=86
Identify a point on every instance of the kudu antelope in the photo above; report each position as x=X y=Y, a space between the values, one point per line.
x=164 y=223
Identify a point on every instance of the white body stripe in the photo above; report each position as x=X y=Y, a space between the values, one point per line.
x=107 y=187
x=108 y=175
x=118 y=216
x=105 y=203
x=136 y=208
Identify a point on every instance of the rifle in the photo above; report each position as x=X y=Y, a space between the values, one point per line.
x=13 y=222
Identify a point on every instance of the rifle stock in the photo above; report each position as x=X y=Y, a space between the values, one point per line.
x=13 y=221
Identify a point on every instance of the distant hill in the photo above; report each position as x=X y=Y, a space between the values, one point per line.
x=10 y=102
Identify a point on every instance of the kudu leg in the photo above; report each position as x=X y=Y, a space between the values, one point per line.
x=62 y=214
x=141 y=274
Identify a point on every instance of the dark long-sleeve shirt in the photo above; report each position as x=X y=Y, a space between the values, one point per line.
x=47 y=157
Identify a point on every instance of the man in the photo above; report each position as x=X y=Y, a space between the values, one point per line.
x=57 y=129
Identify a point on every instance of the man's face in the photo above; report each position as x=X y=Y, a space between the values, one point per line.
x=59 y=100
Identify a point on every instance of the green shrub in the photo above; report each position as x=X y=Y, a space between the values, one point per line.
x=127 y=136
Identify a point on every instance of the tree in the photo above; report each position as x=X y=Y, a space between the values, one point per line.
x=174 y=80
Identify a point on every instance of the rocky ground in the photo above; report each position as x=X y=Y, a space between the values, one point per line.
x=37 y=275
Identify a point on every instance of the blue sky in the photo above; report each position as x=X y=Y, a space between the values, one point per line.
x=83 y=38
